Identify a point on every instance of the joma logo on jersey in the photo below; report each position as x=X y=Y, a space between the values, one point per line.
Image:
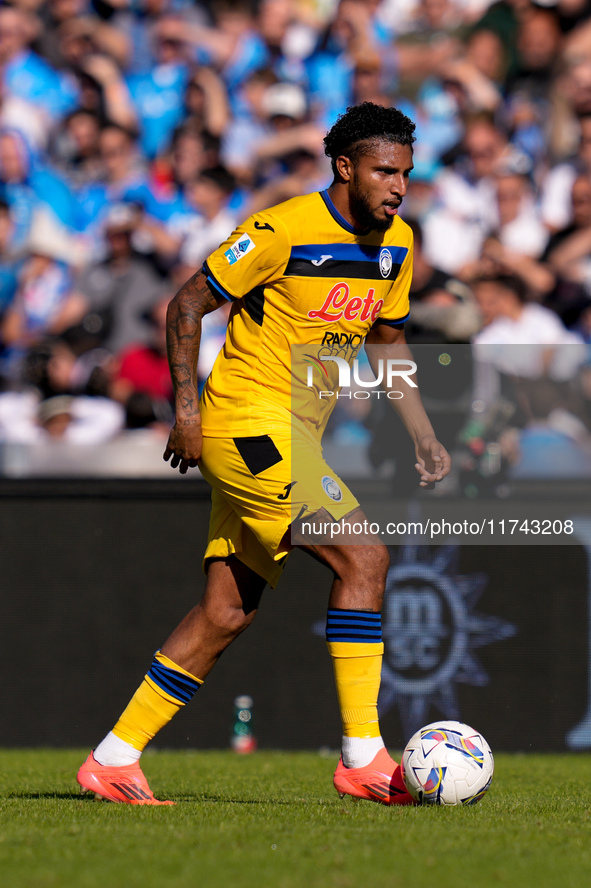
x=340 y=304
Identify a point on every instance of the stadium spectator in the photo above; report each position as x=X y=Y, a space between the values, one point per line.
x=158 y=95
x=570 y=295
x=141 y=378
x=569 y=250
x=369 y=82
x=288 y=31
x=249 y=126
x=26 y=74
x=28 y=183
x=18 y=114
x=123 y=178
x=24 y=419
x=233 y=46
x=530 y=85
x=100 y=35
x=53 y=367
x=476 y=74
x=442 y=307
x=557 y=209
x=44 y=302
x=496 y=259
x=518 y=225
x=351 y=36
x=138 y=22
x=572 y=100
x=169 y=212
x=516 y=237
x=206 y=103
x=512 y=322
x=289 y=131
x=503 y=17
x=538 y=42
x=455 y=230
x=212 y=222
x=144 y=367
x=76 y=149
x=192 y=151
x=120 y=289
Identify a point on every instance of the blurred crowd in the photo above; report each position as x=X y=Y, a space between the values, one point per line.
x=135 y=135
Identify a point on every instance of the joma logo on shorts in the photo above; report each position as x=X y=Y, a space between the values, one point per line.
x=340 y=304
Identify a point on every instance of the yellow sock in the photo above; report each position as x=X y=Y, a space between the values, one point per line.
x=354 y=641
x=357 y=669
x=165 y=688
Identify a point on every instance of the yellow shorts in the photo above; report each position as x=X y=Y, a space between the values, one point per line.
x=255 y=498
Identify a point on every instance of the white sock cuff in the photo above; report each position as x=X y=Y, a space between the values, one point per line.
x=358 y=752
x=116 y=753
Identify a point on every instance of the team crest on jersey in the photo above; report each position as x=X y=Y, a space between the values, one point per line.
x=332 y=489
x=243 y=245
x=385 y=262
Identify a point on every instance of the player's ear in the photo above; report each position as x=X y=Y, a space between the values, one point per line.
x=344 y=167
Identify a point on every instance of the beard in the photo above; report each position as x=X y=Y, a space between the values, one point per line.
x=364 y=215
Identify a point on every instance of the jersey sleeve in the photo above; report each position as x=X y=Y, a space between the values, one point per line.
x=396 y=308
x=255 y=254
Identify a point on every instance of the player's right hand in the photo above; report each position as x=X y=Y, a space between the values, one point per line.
x=184 y=444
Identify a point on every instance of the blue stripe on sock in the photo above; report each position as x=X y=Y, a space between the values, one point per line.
x=179 y=693
x=370 y=627
x=353 y=626
x=354 y=630
x=176 y=684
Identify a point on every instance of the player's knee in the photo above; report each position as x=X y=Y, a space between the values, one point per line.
x=231 y=621
x=367 y=564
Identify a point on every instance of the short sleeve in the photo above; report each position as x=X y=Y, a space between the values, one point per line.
x=255 y=254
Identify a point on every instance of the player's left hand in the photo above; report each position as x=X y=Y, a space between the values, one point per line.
x=433 y=461
x=184 y=445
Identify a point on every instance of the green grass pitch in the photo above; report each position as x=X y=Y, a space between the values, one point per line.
x=273 y=820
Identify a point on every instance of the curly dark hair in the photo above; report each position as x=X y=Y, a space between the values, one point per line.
x=363 y=123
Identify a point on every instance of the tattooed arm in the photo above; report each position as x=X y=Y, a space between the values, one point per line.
x=183 y=335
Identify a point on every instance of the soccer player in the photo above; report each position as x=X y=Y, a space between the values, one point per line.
x=335 y=263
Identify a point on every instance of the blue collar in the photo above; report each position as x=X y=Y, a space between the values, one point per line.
x=337 y=216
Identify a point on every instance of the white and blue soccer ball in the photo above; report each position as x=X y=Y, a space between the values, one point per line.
x=447 y=763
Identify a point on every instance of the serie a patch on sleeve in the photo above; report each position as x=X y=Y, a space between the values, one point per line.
x=243 y=245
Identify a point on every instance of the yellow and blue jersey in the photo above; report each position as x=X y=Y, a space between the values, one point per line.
x=298 y=274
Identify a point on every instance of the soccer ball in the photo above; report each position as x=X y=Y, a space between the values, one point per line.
x=447 y=763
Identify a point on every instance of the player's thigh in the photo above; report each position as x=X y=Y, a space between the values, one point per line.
x=251 y=474
x=269 y=485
